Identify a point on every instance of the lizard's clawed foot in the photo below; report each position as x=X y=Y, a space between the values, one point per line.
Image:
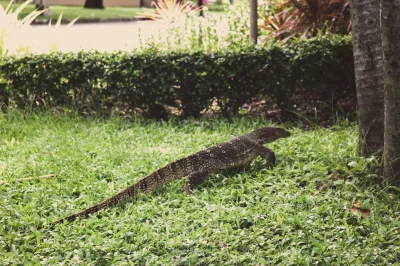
x=194 y=179
x=272 y=161
x=188 y=188
x=271 y=165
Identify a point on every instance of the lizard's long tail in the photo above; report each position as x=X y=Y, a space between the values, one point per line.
x=160 y=177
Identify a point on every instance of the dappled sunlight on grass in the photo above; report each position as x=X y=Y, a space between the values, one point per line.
x=319 y=205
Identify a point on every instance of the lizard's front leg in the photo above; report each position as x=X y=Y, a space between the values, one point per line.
x=267 y=154
x=194 y=179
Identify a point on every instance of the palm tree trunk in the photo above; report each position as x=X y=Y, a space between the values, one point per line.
x=368 y=64
x=391 y=59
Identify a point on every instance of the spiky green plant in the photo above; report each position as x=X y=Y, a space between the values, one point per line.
x=172 y=10
x=307 y=18
x=16 y=35
x=9 y=22
x=205 y=34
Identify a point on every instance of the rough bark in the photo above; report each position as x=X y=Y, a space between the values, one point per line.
x=368 y=63
x=94 y=4
x=253 y=21
x=391 y=58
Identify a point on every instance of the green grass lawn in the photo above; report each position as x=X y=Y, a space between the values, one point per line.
x=72 y=12
x=296 y=214
x=218 y=8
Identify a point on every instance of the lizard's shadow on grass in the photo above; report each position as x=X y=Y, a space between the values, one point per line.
x=213 y=183
x=215 y=180
x=232 y=175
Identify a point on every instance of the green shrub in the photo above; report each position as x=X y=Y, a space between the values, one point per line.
x=94 y=81
x=325 y=63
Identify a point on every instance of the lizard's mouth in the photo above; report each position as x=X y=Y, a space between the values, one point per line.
x=286 y=134
x=283 y=134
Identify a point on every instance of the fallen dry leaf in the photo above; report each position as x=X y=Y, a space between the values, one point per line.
x=355 y=209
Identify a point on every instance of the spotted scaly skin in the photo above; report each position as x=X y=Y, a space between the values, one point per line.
x=234 y=153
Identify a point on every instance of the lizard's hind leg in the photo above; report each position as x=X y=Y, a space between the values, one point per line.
x=267 y=154
x=194 y=179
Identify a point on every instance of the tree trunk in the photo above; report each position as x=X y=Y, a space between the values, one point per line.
x=94 y=4
x=253 y=21
x=199 y=4
x=43 y=6
x=368 y=64
x=391 y=59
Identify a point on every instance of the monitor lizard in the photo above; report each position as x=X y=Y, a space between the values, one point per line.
x=234 y=153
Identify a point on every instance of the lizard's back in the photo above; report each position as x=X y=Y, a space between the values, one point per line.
x=230 y=154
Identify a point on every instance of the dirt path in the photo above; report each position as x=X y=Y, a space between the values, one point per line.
x=98 y=36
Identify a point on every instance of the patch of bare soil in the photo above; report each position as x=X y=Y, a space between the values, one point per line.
x=308 y=109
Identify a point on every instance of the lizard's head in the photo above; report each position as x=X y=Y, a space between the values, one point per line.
x=269 y=134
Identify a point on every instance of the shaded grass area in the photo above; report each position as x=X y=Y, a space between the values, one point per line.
x=296 y=214
x=72 y=12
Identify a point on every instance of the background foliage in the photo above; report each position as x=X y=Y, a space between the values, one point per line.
x=287 y=19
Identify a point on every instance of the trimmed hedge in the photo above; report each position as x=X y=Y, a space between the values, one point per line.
x=190 y=81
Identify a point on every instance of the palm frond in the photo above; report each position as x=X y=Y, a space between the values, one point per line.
x=307 y=18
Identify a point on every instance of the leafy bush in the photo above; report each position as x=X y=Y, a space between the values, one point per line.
x=191 y=82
